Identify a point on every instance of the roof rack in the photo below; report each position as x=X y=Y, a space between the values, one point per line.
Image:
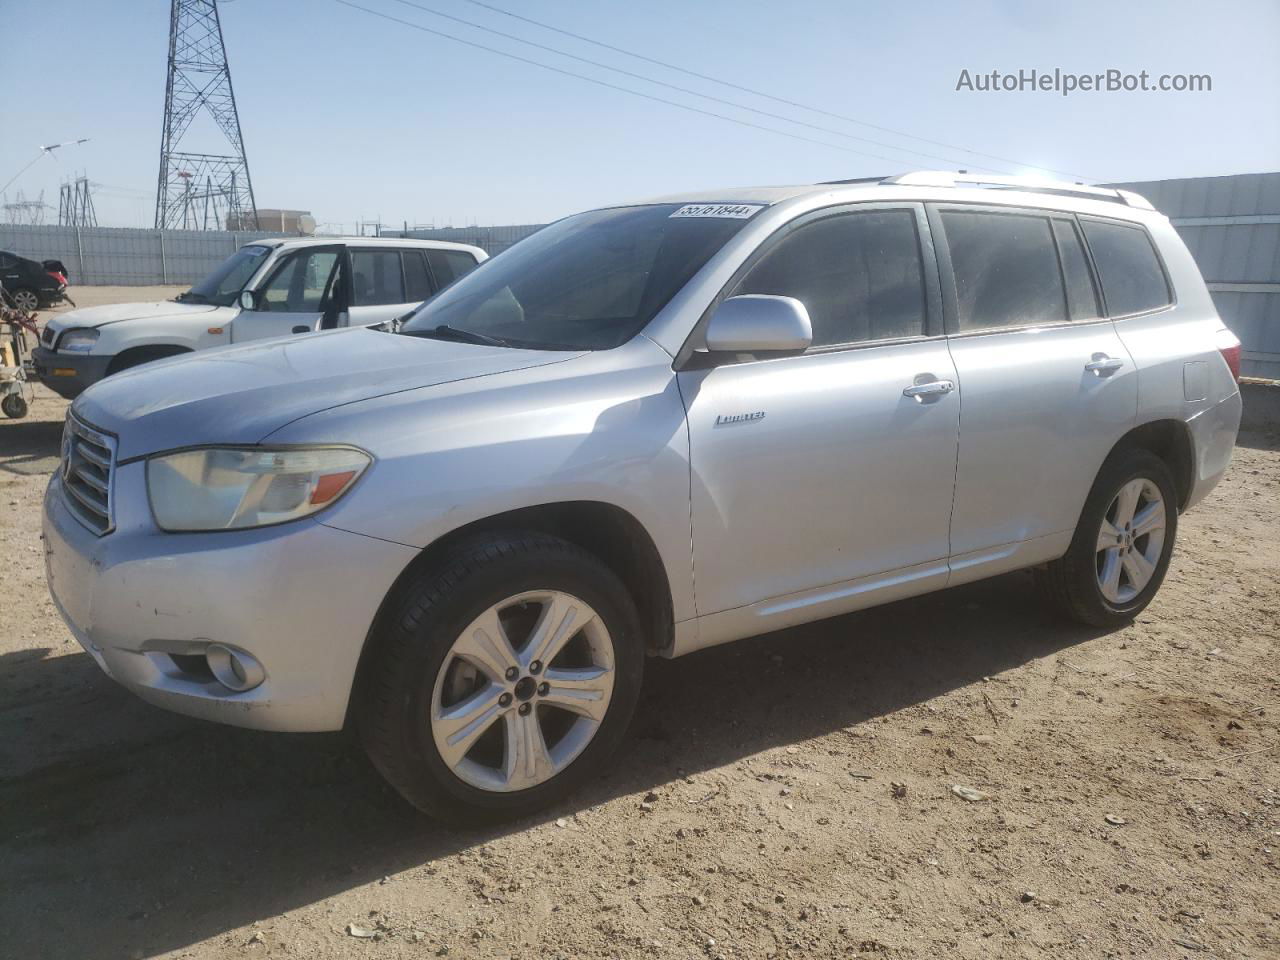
x=945 y=178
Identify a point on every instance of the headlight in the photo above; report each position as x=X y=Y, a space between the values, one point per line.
x=78 y=341
x=227 y=489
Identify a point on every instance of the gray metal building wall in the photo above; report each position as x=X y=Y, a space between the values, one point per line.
x=127 y=256
x=1231 y=225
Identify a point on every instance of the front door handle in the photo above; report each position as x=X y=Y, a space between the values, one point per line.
x=922 y=392
x=1103 y=366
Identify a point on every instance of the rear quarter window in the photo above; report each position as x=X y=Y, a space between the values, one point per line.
x=450 y=265
x=1132 y=279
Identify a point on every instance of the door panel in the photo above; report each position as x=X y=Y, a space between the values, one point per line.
x=1045 y=397
x=295 y=297
x=832 y=475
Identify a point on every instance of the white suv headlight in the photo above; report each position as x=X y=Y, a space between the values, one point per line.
x=80 y=340
x=232 y=488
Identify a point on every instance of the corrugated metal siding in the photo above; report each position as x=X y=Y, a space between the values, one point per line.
x=127 y=256
x=1233 y=249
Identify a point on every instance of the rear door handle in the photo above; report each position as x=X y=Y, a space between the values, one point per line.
x=1103 y=366
x=921 y=392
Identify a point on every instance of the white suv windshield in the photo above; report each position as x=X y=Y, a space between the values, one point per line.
x=225 y=283
x=589 y=282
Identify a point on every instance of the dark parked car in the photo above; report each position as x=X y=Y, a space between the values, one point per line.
x=30 y=283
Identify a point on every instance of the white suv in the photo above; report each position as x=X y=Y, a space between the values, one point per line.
x=267 y=288
x=645 y=429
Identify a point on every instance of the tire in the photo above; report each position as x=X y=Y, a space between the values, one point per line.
x=414 y=682
x=1085 y=584
x=25 y=299
x=14 y=406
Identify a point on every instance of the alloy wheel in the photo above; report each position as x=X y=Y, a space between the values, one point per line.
x=1130 y=540
x=522 y=691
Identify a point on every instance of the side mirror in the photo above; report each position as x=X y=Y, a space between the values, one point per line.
x=759 y=323
x=248 y=300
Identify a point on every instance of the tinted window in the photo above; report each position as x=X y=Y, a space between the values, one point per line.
x=588 y=282
x=416 y=281
x=301 y=283
x=376 y=278
x=1132 y=280
x=449 y=265
x=859 y=275
x=1006 y=270
x=1082 y=299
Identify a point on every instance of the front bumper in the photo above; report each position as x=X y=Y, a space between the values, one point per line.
x=68 y=374
x=299 y=597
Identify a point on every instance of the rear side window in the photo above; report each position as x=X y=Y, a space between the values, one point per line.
x=1082 y=299
x=858 y=274
x=417 y=282
x=449 y=265
x=1132 y=280
x=375 y=278
x=1006 y=270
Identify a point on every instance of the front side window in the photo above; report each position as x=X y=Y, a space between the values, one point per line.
x=376 y=278
x=589 y=282
x=1132 y=280
x=1006 y=270
x=858 y=274
x=301 y=284
x=225 y=283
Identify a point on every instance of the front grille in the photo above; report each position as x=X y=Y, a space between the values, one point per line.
x=88 y=461
x=47 y=336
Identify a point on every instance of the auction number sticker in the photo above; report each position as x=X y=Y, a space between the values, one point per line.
x=731 y=211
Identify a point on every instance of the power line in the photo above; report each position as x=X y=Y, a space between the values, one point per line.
x=685 y=90
x=761 y=93
x=613 y=86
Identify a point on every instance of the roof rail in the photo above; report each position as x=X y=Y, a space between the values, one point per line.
x=945 y=178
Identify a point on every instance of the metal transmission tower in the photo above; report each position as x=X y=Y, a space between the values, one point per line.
x=75 y=204
x=201 y=190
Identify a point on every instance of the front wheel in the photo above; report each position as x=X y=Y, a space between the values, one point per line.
x=502 y=679
x=1122 y=544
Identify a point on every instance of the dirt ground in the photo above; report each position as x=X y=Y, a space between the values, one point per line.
x=789 y=796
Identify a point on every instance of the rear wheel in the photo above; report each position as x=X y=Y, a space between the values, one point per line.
x=25 y=299
x=502 y=679
x=1122 y=544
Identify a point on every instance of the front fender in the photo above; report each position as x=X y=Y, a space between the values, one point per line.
x=607 y=427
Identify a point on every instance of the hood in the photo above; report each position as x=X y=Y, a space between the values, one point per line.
x=114 y=313
x=241 y=394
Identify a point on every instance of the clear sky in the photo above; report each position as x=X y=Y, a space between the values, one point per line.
x=354 y=117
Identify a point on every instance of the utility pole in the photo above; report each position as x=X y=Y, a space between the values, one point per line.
x=199 y=78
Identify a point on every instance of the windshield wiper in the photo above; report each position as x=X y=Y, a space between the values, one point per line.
x=191 y=296
x=446 y=332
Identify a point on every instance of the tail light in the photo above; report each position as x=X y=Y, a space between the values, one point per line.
x=1229 y=347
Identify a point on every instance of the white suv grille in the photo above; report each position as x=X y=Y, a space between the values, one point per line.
x=88 y=462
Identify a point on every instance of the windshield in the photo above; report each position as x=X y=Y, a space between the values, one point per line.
x=223 y=285
x=589 y=282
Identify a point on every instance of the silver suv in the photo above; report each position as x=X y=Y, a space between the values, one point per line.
x=646 y=429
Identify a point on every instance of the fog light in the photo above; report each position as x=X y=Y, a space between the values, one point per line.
x=233 y=668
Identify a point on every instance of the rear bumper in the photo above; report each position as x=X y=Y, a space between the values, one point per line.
x=299 y=598
x=1213 y=437
x=69 y=374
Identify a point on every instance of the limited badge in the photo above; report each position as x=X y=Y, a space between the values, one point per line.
x=730 y=211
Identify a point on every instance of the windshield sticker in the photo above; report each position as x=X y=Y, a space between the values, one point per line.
x=253 y=251
x=731 y=211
